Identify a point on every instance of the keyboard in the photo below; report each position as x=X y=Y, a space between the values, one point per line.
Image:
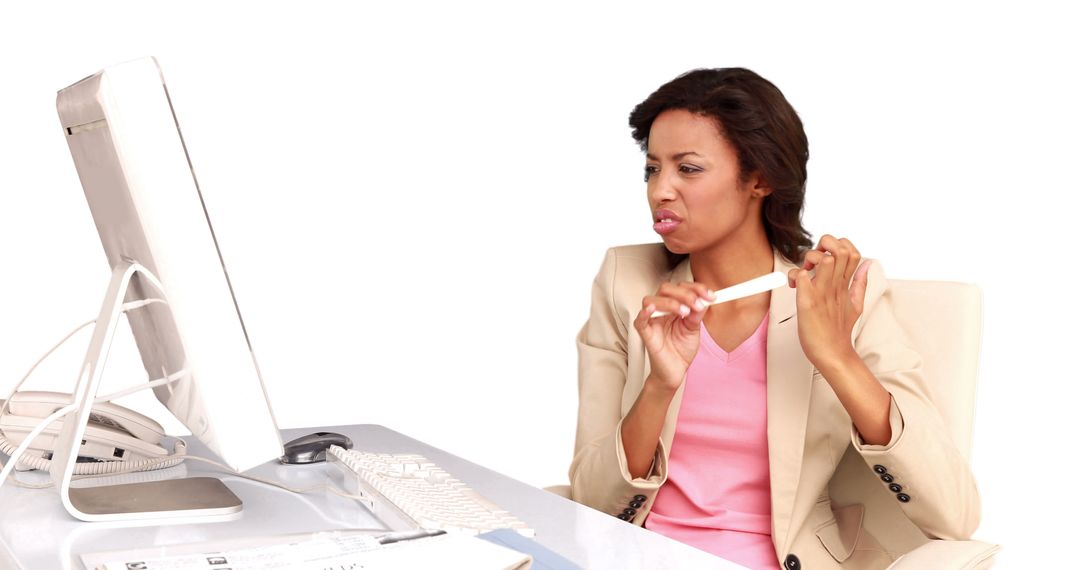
x=409 y=492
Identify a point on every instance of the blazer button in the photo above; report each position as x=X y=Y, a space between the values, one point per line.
x=622 y=516
x=792 y=562
x=636 y=504
x=880 y=469
x=903 y=498
x=629 y=512
x=895 y=488
x=887 y=478
x=639 y=498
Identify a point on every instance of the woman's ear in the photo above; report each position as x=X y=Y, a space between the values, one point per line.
x=759 y=187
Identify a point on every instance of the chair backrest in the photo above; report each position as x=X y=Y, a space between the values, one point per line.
x=944 y=322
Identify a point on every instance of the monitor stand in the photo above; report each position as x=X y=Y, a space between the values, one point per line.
x=196 y=499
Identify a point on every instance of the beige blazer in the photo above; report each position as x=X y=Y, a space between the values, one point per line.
x=809 y=431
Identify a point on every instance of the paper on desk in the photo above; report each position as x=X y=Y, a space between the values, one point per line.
x=322 y=552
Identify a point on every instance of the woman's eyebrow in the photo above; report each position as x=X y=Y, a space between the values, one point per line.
x=675 y=156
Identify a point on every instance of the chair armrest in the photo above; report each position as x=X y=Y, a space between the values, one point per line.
x=948 y=554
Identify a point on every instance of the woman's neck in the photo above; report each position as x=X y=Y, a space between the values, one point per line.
x=733 y=261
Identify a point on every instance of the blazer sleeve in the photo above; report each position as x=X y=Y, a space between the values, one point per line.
x=599 y=475
x=936 y=487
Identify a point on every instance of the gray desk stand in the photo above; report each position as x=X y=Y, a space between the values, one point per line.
x=37 y=534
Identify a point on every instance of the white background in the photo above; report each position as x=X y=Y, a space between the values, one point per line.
x=412 y=201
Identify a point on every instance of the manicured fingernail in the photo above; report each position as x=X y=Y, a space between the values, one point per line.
x=650 y=309
x=709 y=293
x=700 y=304
x=684 y=310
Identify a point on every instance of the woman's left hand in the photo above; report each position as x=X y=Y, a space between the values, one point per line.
x=830 y=301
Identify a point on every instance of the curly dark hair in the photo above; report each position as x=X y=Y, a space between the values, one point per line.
x=753 y=115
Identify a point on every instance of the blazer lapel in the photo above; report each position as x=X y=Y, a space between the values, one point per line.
x=789 y=379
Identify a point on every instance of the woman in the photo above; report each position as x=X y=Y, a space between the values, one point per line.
x=721 y=426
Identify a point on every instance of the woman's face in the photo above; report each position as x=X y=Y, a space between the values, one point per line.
x=694 y=191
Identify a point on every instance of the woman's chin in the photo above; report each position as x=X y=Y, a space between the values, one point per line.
x=675 y=246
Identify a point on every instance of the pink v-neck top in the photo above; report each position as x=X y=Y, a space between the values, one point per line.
x=716 y=497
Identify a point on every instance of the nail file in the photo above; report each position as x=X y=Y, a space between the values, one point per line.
x=766 y=282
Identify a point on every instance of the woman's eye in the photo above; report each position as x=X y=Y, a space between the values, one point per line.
x=649 y=171
x=687 y=169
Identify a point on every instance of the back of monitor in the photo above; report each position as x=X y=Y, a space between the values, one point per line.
x=149 y=211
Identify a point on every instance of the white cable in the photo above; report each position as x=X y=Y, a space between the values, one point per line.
x=152 y=384
x=30 y=438
x=123 y=309
x=83 y=468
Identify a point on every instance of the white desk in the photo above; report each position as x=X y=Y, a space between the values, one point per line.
x=37 y=534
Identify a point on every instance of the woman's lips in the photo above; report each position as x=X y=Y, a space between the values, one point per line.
x=666 y=221
x=665 y=227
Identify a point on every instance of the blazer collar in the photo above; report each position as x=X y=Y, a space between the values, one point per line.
x=789 y=379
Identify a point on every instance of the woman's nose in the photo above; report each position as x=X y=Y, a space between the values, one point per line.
x=661 y=188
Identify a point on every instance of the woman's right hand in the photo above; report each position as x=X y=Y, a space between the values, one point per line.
x=672 y=340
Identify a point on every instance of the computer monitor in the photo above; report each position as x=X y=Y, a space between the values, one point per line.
x=152 y=220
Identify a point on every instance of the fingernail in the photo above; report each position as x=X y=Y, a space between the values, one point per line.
x=700 y=304
x=684 y=310
x=710 y=294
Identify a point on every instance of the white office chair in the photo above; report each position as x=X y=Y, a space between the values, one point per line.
x=944 y=321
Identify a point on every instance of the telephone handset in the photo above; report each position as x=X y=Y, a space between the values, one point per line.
x=114 y=433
